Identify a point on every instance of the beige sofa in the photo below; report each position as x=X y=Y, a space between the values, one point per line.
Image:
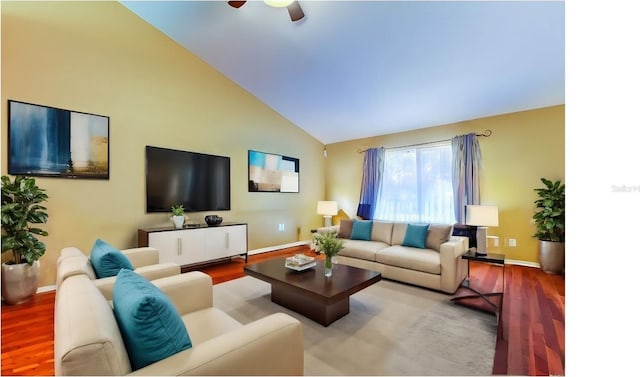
x=439 y=266
x=88 y=340
x=73 y=261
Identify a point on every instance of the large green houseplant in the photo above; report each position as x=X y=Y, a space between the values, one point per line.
x=21 y=209
x=550 y=229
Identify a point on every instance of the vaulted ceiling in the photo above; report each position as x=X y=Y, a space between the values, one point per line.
x=354 y=69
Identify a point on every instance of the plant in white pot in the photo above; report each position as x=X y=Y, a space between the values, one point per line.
x=21 y=209
x=177 y=216
x=549 y=220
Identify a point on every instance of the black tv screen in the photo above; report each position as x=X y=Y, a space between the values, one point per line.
x=200 y=182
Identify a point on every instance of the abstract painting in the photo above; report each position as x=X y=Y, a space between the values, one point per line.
x=273 y=172
x=52 y=142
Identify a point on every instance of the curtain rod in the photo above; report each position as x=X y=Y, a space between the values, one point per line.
x=486 y=133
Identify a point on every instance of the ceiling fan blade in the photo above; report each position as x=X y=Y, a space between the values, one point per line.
x=236 y=4
x=295 y=11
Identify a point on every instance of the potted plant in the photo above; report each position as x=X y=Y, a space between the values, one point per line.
x=20 y=210
x=549 y=220
x=329 y=244
x=177 y=217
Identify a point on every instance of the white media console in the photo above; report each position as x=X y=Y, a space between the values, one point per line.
x=196 y=245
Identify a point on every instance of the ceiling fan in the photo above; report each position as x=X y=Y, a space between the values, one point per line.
x=295 y=11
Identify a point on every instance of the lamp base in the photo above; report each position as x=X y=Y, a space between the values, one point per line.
x=327 y=221
x=481 y=240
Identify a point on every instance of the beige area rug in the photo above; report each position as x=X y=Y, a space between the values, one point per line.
x=392 y=329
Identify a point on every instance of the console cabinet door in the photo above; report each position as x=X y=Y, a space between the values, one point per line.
x=189 y=246
x=226 y=241
x=180 y=246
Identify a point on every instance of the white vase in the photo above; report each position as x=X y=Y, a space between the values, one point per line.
x=178 y=221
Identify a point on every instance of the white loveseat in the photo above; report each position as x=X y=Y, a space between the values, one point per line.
x=88 y=340
x=145 y=260
x=438 y=266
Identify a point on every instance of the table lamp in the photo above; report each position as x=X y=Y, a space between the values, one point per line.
x=482 y=217
x=327 y=209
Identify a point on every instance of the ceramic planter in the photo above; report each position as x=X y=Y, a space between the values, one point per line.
x=551 y=255
x=178 y=221
x=19 y=282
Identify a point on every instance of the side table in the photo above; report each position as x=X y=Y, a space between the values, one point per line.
x=492 y=258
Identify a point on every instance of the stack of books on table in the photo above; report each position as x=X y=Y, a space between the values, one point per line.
x=300 y=262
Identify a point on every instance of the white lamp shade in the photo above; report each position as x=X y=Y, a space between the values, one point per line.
x=327 y=208
x=279 y=3
x=482 y=215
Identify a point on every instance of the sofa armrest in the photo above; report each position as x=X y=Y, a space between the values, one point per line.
x=327 y=229
x=142 y=256
x=189 y=292
x=73 y=262
x=452 y=270
x=151 y=273
x=272 y=345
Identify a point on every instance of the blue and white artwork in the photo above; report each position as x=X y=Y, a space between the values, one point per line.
x=273 y=173
x=53 y=142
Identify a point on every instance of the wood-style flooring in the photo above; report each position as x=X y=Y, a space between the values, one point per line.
x=530 y=339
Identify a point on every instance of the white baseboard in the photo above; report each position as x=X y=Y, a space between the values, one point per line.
x=278 y=247
x=522 y=263
x=47 y=288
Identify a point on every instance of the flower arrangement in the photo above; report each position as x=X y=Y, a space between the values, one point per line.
x=330 y=245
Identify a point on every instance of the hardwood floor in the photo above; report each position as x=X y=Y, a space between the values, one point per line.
x=530 y=340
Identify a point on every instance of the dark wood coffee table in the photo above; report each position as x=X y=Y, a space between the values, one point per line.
x=309 y=292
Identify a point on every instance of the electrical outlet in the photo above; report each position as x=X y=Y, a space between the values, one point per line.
x=280 y=227
x=512 y=242
x=496 y=242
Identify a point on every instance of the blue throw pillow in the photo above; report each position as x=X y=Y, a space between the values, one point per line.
x=106 y=260
x=150 y=325
x=416 y=236
x=361 y=230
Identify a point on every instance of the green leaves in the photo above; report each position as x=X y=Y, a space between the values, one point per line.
x=329 y=244
x=549 y=217
x=177 y=210
x=21 y=209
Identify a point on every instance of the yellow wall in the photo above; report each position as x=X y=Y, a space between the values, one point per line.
x=524 y=147
x=98 y=57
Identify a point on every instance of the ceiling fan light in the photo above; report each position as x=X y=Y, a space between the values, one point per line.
x=279 y=3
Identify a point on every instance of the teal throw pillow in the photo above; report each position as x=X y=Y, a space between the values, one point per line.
x=150 y=325
x=106 y=260
x=416 y=236
x=361 y=230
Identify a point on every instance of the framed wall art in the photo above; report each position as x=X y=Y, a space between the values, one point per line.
x=52 y=142
x=270 y=172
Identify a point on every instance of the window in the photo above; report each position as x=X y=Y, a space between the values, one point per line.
x=417 y=185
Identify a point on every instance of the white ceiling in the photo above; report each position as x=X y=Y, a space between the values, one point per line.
x=357 y=69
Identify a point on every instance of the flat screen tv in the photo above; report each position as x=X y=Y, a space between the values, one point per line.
x=198 y=181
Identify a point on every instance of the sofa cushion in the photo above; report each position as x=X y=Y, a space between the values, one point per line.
x=345 y=229
x=424 y=260
x=106 y=260
x=397 y=236
x=149 y=323
x=381 y=231
x=437 y=235
x=362 y=230
x=362 y=249
x=208 y=323
x=416 y=236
